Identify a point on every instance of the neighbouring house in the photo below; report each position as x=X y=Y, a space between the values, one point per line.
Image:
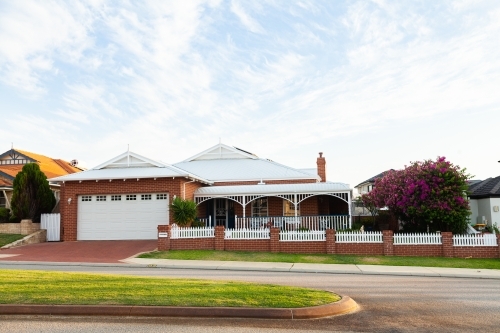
x=12 y=162
x=367 y=185
x=484 y=200
x=128 y=196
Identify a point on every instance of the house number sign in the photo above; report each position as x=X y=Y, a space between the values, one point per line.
x=163 y=234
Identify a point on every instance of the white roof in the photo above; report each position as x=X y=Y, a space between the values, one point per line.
x=243 y=170
x=220 y=152
x=327 y=187
x=129 y=166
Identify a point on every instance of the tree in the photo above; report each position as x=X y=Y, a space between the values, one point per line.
x=369 y=203
x=184 y=211
x=32 y=195
x=428 y=194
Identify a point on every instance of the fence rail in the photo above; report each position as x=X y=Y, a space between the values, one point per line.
x=359 y=237
x=203 y=232
x=294 y=223
x=475 y=240
x=247 y=233
x=303 y=236
x=417 y=239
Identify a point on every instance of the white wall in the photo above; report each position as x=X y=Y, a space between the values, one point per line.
x=473 y=210
x=484 y=209
x=495 y=216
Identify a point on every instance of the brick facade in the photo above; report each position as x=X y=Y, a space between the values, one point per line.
x=69 y=212
x=328 y=246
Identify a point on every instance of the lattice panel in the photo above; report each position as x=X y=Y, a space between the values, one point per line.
x=342 y=196
x=288 y=197
x=302 y=197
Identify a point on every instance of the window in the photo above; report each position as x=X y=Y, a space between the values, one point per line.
x=86 y=198
x=145 y=196
x=131 y=197
x=3 y=200
x=162 y=196
x=116 y=198
x=289 y=208
x=259 y=207
x=101 y=198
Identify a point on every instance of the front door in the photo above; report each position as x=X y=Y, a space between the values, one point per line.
x=220 y=212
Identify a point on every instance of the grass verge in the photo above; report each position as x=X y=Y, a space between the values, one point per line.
x=9 y=238
x=323 y=258
x=39 y=287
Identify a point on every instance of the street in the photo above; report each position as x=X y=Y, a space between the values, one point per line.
x=387 y=304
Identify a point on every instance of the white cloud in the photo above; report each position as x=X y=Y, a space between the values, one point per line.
x=245 y=18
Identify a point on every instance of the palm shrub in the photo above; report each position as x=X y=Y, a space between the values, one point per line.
x=183 y=211
x=32 y=195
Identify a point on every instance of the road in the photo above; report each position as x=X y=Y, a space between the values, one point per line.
x=388 y=304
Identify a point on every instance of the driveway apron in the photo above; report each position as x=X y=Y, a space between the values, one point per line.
x=80 y=251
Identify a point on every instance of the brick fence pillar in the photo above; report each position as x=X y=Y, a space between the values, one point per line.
x=274 y=234
x=388 y=237
x=447 y=244
x=498 y=243
x=331 y=246
x=219 y=238
x=164 y=242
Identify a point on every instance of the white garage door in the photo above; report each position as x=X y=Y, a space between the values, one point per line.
x=125 y=216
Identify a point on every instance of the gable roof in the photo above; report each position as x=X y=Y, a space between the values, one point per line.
x=222 y=163
x=49 y=166
x=221 y=151
x=129 y=165
x=372 y=179
x=489 y=188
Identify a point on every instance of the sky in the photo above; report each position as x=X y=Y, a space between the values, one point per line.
x=374 y=85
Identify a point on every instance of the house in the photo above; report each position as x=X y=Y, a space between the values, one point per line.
x=484 y=200
x=128 y=196
x=367 y=185
x=12 y=162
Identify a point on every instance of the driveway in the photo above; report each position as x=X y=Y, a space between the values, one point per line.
x=81 y=251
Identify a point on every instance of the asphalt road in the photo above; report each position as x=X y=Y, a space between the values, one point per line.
x=388 y=304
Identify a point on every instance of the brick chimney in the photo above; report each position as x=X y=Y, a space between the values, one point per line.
x=321 y=162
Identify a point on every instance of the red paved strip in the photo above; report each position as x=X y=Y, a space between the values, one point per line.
x=345 y=305
x=81 y=251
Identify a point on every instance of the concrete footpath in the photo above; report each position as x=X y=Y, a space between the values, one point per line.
x=283 y=267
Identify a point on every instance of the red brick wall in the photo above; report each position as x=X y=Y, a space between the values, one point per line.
x=475 y=251
x=256 y=245
x=418 y=250
x=192 y=244
x=359 y=248
x=72 y=190
x=303 y=247
x=309 y=206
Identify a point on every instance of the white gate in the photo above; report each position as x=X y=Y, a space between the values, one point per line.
x=52 y=223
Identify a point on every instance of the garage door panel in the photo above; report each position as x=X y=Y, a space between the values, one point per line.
x=120 y=219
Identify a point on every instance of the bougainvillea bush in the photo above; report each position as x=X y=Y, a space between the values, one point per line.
x=425 y=195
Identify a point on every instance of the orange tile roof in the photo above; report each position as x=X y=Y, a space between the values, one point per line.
x=49 y=166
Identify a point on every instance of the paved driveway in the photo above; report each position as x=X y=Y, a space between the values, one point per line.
x=82 y=251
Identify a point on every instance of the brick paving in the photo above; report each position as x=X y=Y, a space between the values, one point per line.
x=80 y=251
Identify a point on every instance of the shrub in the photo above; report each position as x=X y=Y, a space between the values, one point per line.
x=184 y=211
x=32 y=195
x=4 y=214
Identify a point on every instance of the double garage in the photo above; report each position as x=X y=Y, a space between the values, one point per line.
x=121 y=216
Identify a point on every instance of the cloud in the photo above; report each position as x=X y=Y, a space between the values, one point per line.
x=245 y=18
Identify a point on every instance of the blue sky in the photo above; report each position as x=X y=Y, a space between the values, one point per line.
x=372 y=84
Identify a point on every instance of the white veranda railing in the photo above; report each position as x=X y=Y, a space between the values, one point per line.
x=359 y=237
x=247 y=233
x=475 y=240
x=303 y=235
x=196 y=232
x=318 y=222
x=417 y=239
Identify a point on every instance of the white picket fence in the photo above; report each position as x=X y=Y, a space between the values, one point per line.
x=247 y=233
x=359 y=237
x=337 y=222
x=302 y=235
x=203 y=232
x=51 y=223
x=417 y=239
x=475 y=240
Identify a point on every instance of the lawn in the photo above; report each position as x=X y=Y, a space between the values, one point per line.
x=9 y=238
x=323 y=258
x=40 y=287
